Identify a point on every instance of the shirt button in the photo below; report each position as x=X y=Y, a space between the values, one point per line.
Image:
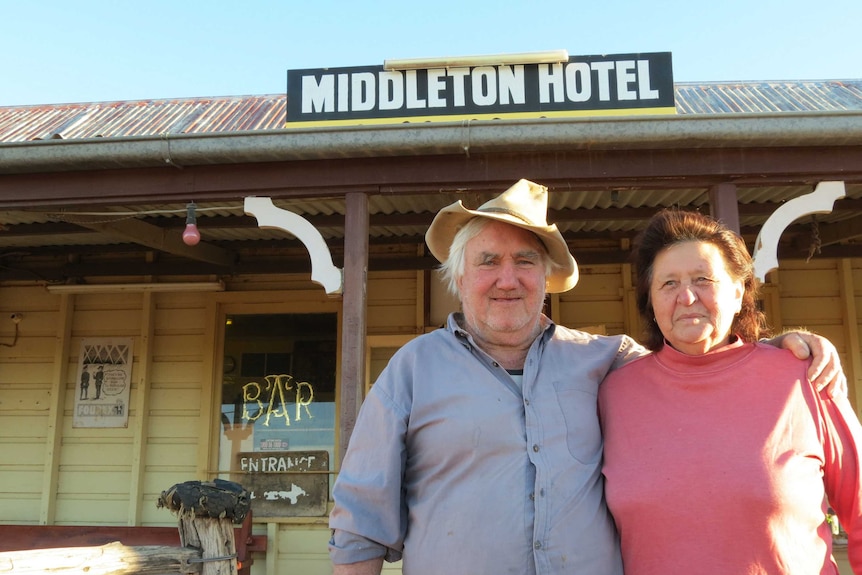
x=526 y=402
x=537 y=544
x=535 y=448
x=532 y=496
x=496 y=364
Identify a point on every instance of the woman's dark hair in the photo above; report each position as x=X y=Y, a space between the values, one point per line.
x=672 y=226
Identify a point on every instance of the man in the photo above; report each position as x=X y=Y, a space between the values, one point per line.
x=99 y=378
x=478 y=450
x=85 y=383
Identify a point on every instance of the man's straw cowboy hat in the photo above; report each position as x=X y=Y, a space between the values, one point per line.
x=524 y=205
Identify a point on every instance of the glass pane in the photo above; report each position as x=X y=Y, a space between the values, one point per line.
x=278 y=410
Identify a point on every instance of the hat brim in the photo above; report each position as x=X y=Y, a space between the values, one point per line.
x=447 y=222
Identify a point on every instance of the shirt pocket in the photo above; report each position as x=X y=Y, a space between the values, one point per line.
x=579 y=412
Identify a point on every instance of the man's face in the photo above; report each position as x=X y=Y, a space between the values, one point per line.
x=503 y=286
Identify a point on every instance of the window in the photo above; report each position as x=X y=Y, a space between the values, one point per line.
x=278 y=409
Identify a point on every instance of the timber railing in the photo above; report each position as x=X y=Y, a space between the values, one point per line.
x=200 y=545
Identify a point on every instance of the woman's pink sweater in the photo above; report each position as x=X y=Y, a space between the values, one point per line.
x=718 y=464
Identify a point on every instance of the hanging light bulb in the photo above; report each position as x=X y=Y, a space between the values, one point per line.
x=191 y=235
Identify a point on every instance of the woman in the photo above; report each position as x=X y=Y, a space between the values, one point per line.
x=719 y=453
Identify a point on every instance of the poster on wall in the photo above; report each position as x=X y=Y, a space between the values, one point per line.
x=103 y=382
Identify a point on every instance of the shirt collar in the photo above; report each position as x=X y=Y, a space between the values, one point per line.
x=456 y=321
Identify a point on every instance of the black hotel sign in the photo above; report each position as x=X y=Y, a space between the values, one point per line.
x=585 y=85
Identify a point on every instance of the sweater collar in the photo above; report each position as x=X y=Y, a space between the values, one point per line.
x=714 y=360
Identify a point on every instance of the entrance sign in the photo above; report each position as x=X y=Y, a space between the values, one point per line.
x=582 y=86
x=285 y=483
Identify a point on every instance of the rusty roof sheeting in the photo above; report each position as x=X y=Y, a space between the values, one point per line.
x=269 y=112
x=142 y=118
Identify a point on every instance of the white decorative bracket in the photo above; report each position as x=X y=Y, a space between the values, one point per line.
x=269 y=216
x=820 y=201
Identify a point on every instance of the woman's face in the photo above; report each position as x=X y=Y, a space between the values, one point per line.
x=694 y=299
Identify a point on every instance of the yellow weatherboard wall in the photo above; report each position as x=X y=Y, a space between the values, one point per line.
x=53 y=473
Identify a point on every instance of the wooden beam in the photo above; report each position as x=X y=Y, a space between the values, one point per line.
x=141 y=424
x=109 y=559
x=559 y=170
x=841 y=231
x=145 y=234
x=54 y=434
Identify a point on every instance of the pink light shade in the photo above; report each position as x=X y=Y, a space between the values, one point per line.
x=191 y=235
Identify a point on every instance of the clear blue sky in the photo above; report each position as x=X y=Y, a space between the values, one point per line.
x=59 y=51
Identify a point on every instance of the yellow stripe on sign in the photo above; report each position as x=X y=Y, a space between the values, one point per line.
x=458 y=118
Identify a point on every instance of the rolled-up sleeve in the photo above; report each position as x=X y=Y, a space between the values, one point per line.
x=369 y=518
x=843 y=470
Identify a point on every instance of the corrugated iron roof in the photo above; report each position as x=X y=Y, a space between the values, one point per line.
x=142 y=118
x=269 y=112
x=760 y=97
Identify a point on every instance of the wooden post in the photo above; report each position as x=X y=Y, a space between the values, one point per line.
x=353 y=336
x=724 y=205
x=214 y=537
x=206 y=511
